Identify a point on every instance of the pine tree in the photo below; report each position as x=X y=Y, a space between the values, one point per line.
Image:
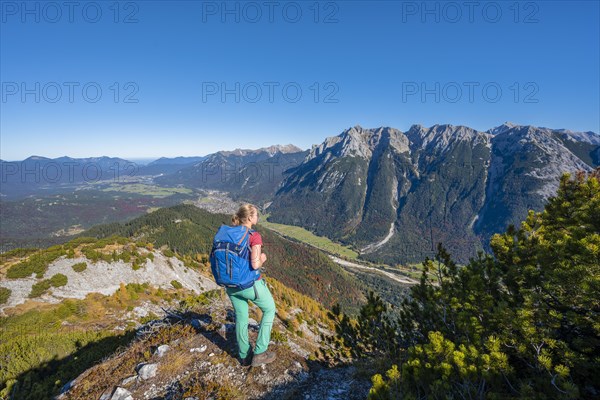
x=523 y=322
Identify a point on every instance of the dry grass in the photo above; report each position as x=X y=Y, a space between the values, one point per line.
x=175 y=362
x=28 y=306
x=222 y=390
x=110 y=373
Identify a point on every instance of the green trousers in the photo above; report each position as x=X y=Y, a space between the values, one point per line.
x=260 y=295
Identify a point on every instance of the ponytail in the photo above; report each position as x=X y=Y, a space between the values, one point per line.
x=243 y=214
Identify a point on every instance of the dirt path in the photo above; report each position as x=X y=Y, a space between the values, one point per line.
x=397 y=278
x=374 y=246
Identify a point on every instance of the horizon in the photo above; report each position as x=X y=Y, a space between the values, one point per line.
x=183 y=78
x=149 y=159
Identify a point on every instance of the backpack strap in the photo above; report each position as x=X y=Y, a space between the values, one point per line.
x=244 y=237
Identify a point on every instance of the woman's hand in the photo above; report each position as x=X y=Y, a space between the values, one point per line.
x=257 y=258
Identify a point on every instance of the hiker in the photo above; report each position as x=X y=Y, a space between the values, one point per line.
x=247 y=284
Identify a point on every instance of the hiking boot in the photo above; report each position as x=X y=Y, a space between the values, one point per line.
x=263 y=358
x=246 y=362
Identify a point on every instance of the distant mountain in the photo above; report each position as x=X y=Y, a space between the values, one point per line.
x=176 y=160
x=252 y=175
x=41 y=175
x=165 y=166
x=271 y=150
x=395 y=195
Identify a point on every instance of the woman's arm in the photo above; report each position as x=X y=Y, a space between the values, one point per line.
x=257 y=258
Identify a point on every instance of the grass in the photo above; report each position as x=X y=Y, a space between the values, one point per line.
x=176 y=362
x=305 y=236
x=149 y=190
x=323 y=243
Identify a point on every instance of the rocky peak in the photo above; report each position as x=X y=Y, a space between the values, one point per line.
x=502 y=128
x=278 y=148
x=441 y=135
x=360 y=142
x=281 y=148
x=588 y=137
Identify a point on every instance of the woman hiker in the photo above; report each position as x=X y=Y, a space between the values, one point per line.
x=259 y=294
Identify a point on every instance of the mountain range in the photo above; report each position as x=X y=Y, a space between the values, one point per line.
x=394 y=195
x=252 y=175
x=391 y=195
x=41 y=175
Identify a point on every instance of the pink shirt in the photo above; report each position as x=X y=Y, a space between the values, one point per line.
x=255 y=238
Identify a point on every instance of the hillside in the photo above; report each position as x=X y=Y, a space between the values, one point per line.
x=44 y=220
x=192 y=354
x=394 y=195
x=521 y=322
x=253 y=175
x=188 y=231
x=71 y=308
x=95 y=267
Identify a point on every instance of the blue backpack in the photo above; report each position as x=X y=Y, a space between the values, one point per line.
x=230 y=257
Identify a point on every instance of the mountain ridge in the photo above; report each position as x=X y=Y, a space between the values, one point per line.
x=446 y=183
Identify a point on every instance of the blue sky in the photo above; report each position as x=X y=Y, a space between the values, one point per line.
x=162 y=66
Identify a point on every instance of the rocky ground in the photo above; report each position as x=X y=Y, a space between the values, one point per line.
x=193 y=356
x=105 y=278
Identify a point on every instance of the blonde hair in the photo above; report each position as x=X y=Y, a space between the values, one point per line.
x=244 y=213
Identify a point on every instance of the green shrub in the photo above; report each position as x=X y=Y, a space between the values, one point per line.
x=18 y=252
x=4 y=295
x=80 y=240
x=137 y=287
x=176 y=284
x=36 y=263
x=79 y=267
x=39 y=288
x=200 y=300
x=278 y=337
x=58 y=280
x=125 y=256
x=108 y=241
x=168 y=253
x=91 y=254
